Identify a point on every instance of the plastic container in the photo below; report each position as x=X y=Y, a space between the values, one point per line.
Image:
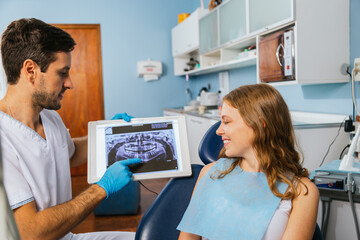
x=182 y=17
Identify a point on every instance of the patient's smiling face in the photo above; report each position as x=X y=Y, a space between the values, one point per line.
x=238 y=137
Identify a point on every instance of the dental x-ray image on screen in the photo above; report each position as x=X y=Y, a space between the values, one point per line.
x=160 y=142
x=153 y=143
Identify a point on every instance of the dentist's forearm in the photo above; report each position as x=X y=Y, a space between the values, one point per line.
x=80 y=155
x=55 y=222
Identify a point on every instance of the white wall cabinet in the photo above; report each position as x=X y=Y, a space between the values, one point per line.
x=209 y=32
x=322 y=39
x=185 y=36
x=232 y=21
x=185 y=40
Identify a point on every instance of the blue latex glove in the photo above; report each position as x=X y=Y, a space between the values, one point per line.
x=117 y=176
x=122 y=116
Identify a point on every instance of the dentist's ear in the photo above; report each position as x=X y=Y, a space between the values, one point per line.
x=29 y=69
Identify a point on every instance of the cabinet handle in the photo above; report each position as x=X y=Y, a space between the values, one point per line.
x=277 y=53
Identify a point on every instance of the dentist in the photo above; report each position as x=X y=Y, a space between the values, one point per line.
x=36 y=146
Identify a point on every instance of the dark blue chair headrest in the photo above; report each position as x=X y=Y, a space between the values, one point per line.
x=210 y=145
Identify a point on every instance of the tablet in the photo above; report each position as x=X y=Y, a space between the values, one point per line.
x=160 y=142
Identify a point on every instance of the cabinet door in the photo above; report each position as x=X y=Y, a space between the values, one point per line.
x=191 y=32
x=185 y=36
x=272 y=58
x=178 y=39
x=232 y=16
x=208 y=29
x=265 y=14
x=196 y=128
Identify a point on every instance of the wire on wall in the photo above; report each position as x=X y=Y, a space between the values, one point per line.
x=328 y=150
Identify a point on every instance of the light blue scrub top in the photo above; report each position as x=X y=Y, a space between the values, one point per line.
x=36 y=169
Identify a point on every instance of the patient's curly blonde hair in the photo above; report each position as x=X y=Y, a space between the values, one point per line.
x=265 y=111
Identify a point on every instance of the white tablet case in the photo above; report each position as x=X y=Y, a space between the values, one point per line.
x=160 y=142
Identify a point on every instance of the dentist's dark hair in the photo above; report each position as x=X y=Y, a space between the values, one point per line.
x=264 y=110
x=31 y=39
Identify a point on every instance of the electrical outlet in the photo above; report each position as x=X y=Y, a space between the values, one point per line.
x=357 y=69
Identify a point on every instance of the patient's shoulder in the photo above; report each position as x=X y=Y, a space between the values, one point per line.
x=307 y=190
x=205 y=169
x=308 y=187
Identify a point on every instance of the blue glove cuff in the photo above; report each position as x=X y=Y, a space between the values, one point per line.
x=103 y=187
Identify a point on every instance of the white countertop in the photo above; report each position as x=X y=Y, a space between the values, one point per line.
x=308 y=119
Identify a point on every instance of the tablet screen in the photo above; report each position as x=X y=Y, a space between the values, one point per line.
x=160 y=143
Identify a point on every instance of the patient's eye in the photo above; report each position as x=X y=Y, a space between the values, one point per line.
x=225 y=120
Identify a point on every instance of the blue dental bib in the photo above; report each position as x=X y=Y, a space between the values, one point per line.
x=238 y=206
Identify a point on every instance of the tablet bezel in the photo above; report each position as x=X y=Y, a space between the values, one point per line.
x=183 y=153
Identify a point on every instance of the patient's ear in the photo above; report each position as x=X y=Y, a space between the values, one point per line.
x=262 y=121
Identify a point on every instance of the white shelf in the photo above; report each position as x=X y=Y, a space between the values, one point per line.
x=239 y=63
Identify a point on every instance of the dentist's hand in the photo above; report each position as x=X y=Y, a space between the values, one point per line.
x=122 y=116
x=117 y=176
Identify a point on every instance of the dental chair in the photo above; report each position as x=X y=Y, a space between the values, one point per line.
x=164 y=215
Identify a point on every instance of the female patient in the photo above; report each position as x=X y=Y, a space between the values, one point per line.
x=258 y=188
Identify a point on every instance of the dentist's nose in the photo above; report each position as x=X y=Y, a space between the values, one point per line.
x=68 y=83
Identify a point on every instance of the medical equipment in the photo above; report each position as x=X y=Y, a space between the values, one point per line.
x=348 y=160
x=340 y=180
x=335 y=184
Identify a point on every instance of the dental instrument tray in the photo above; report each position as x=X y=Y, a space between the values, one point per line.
x=160 y=142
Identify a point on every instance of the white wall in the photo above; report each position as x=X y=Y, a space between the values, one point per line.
x=3 y=85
